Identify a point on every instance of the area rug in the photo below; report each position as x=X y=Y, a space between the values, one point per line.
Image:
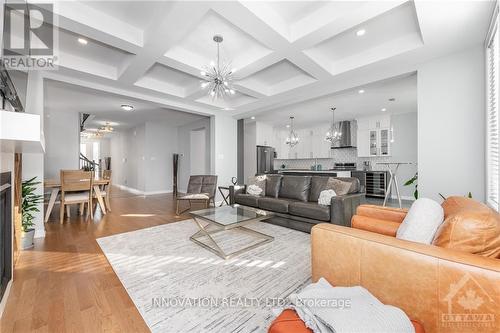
x=178 y=286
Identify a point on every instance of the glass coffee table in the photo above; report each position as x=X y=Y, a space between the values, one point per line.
x=235 y=218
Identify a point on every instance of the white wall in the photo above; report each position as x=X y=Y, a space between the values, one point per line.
x=249 y=151
x=405 y=149
x=161 y=144
x=141 y=157
x=184 y=148
x=224 y=149
x=33 y=164
x=197 y=160
x=62 y=142
x=451 y=125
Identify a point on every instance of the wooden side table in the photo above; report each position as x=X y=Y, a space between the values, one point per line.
x=222 y=189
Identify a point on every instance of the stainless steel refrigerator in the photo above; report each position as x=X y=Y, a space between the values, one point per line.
x=265 y=159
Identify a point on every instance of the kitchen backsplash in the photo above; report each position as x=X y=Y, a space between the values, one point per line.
x=347 y=155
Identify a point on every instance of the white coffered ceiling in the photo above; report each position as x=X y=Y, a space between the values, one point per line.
x=285 y=52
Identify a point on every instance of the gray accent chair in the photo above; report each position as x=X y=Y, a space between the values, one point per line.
x=294 y=200
x=201 y=189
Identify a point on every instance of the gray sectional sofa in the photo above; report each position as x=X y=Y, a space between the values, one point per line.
x=294 y=200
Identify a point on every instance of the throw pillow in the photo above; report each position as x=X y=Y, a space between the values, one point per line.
x=471 y=230
x=260 y=182
x=422 y=221
x=340 y=187
x=325 y=197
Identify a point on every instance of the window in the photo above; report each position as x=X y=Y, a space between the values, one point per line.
x=492 y=116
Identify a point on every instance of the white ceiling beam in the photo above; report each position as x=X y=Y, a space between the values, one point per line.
x=162 y=35
x=85 y=21
x=248 y=91
x=71 y=76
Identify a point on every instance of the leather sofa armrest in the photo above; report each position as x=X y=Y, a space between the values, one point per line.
x=425 y=281
x=383 y=227
x=343 y=207
x=235 y=189
x=382 y=213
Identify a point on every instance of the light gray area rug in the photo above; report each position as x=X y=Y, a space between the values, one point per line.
x=179 y=286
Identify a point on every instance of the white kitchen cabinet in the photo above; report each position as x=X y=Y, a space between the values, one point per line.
x=374 y=140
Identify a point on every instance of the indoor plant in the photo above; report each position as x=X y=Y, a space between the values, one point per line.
x=411 y=181
x=29 y=207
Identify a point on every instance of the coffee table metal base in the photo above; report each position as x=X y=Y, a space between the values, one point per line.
x=215 y=248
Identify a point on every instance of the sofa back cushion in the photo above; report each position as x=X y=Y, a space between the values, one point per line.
x=321 y=183
x=273 y=185
x=259 y=181
x=295 y=187
x=469 y=226
x=355 y=185
x=318 y=184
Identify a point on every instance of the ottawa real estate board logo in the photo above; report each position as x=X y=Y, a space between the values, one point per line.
x=469 y=307
x=30 y=36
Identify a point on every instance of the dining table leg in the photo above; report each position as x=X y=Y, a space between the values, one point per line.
x=98 y=195
x=52 y=201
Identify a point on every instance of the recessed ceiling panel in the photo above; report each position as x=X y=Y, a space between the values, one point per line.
x=197 y=49
x=295 y=19
x=387 y=35
x=167 y=80
x=277 y=78
x=92 y=57
x=135 y=13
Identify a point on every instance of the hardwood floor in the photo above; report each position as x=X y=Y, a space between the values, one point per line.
x=65 y=284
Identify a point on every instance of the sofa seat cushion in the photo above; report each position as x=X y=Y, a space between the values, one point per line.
x=246 y=200
x=274 y=204
x=310 y=210
x=273 y=185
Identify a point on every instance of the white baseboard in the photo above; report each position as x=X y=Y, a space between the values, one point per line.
x=143 y=193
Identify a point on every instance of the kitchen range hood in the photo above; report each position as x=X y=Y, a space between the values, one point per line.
x=348 y=138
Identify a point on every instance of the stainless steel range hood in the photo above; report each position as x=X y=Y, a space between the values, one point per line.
x=348 y=139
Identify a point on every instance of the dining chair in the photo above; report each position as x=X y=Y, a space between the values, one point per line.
x=106 y=189
x=76 y=188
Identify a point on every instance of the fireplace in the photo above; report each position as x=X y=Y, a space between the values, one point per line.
x=5 y=231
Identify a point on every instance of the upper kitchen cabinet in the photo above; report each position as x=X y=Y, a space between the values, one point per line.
x=374 y=136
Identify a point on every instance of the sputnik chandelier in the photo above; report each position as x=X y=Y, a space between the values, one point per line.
x=218 y=75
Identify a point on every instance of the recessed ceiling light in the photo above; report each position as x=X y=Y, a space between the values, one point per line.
x=383 y=109
x=287 y=126
x=361 y=91
x=360 y=32
x=127 y=107
x=252 y=117
x=82 y=41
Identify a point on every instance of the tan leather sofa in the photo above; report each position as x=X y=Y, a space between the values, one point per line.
x=444 y=289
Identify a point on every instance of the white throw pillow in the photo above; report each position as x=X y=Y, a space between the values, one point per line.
x=258 y=181
x=325 y=197
x=422 y=221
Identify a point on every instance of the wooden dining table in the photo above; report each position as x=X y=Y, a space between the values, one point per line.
x=55 y=186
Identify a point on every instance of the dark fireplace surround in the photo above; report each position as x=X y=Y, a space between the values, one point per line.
x=5 y=231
